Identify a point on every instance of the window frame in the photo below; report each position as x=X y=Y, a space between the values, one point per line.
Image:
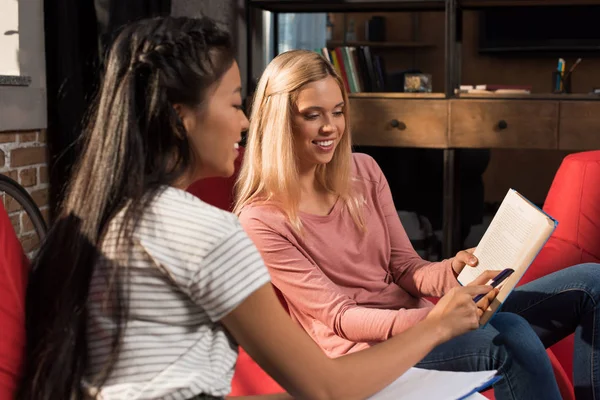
x=23 y=98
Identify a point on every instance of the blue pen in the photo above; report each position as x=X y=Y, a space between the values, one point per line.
x=501 y=277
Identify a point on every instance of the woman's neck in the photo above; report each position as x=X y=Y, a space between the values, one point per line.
x=314 y=198
x=308 y=181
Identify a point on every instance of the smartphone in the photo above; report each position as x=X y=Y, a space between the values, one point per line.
x=501 y=277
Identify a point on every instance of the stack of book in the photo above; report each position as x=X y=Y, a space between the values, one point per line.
x=359 y=69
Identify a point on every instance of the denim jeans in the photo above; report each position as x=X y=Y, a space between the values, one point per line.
x=535 y=316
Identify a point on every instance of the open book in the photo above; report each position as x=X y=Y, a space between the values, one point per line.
x=515 y=236
x=420 y=384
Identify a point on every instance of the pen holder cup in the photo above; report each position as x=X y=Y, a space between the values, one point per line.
x=561 y=82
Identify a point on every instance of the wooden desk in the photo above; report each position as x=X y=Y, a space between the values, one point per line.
x=550 y=122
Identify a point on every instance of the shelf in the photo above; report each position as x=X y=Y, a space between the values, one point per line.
x=479 y=4
x=524 y=96
x=375 y=45
x=397 y=95
x=283 y=6
x=480 y=96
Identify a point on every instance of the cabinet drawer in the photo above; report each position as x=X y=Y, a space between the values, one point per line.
x=504 y=124
x=579 y=127
x=399 y=122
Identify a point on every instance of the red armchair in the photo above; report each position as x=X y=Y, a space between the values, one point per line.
x=14 y=267
x=574 y=200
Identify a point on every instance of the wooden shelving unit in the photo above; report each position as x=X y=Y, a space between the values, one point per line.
x=397 y=95
x=381 y=45
x=347 y=5
x=525 y=96
x=478 y=4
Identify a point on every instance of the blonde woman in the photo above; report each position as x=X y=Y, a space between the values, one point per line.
x=325 y=223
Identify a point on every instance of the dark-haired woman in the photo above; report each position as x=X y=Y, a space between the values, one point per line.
x=141 y=290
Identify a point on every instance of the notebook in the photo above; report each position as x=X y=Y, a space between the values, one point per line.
x=420 y=384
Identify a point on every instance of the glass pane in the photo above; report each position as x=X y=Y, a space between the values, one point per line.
x=301 y=31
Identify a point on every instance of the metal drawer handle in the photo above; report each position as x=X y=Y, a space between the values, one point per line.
x=398 y=124
x=502 y=124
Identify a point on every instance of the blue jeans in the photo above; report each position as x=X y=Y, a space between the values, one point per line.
x=534 y=317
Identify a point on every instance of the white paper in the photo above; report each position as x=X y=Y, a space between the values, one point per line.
x=421 y=384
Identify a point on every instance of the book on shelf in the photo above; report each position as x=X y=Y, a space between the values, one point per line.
x=360 y=70
x=515 y=236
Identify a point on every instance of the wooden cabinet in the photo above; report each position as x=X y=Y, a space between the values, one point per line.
x=476 y=123
x=503 y=124
x=399 y=122
x=579 y=127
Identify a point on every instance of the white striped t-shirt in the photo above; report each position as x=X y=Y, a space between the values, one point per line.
x=190 y=265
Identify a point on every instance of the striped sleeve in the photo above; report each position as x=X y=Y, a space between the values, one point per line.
x=229 y=273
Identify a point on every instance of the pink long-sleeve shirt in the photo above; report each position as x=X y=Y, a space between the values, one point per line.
x=347 y=288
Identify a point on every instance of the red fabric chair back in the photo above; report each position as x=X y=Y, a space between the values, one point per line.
x=218 y=191
x=14 y=269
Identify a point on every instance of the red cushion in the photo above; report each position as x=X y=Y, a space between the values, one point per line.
x=14 y=268
x=574 y=199
x=218 y=191
x=249 y=379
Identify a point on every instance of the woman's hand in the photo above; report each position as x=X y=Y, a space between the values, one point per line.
x=457 y=313
x=466 y=257
x=462 y=258
x=483 y=279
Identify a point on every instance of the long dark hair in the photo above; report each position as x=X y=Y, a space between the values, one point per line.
x=134 y=145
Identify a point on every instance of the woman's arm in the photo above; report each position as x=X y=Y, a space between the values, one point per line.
x=311 y=292
x=284 y=351
x=415 y=275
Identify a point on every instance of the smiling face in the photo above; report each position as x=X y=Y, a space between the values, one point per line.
x=318 y=122
x=215 y=130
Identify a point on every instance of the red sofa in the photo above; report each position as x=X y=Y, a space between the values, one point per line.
x=573 y=199
x=14 y=267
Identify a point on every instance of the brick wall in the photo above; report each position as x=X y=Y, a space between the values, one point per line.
x=23 y=158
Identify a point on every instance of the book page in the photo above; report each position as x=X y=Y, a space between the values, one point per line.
x=511 y=236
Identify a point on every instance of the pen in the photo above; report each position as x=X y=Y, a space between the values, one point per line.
x=496 y=281
x=572 y=68
x=561 y=74
x=559 y=68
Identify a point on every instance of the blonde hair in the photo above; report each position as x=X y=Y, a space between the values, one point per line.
x=269 y=169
